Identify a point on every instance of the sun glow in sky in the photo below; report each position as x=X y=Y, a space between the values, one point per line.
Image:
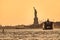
x=14 y=12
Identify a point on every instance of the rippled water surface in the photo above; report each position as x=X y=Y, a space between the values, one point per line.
x=29 y=34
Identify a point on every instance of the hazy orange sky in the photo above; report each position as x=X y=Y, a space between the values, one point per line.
x=13 y=12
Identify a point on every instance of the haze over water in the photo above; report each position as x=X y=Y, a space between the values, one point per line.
x=15 y=12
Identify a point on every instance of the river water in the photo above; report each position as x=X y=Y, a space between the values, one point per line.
x=29 y=34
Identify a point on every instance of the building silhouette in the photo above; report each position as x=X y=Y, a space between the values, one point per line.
x=57 y=24
x=48 y=24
